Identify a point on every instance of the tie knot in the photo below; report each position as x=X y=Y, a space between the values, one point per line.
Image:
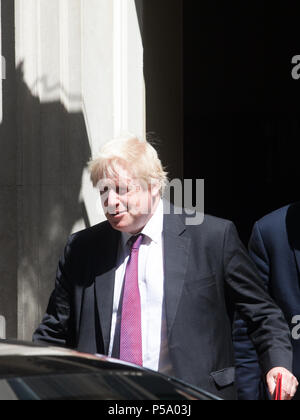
x=135 y=242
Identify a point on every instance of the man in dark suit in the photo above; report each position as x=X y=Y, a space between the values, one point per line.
x=275 y=248
x=148 y=288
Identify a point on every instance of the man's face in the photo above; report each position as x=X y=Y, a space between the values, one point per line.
x=128 y=203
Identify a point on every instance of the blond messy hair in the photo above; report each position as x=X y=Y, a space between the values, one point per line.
x=138 y=156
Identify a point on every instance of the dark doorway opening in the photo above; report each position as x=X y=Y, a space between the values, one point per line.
x=242 y=106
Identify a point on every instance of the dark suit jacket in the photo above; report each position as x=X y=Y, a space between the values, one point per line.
x=207 y=271
x=275 y=248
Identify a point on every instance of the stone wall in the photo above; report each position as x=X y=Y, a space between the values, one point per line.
x=75 y=78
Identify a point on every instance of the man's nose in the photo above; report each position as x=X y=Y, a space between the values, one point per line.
x=112 y=200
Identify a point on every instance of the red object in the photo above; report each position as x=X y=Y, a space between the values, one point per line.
x=278 y=391
x=131 y=323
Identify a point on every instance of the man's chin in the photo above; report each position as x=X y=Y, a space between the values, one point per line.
x=123 y=225
x=119 y=221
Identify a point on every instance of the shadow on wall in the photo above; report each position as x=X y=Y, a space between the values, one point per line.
x=8 y=201
x=52 y=152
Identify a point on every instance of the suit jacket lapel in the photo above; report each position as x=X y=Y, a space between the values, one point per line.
x=292 y=227
x=297 y=255
x=105 y=283
x=176 y=256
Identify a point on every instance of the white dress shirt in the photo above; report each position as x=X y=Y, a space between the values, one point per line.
x=151 y=285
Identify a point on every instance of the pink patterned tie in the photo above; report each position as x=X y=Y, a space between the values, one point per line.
x=131 y=323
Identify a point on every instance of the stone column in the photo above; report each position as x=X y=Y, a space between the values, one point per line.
x=80 y=83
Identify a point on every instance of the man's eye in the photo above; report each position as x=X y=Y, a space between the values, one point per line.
x=103 y=190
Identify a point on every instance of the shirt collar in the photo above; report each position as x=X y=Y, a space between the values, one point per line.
x=154 y=227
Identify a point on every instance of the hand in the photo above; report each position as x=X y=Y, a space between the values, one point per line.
x=289 y=383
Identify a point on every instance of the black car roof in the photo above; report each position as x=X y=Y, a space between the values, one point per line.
x=23 y=359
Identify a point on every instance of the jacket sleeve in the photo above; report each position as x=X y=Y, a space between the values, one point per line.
x=265 y=322
x=249 y=380
x=56 y=326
